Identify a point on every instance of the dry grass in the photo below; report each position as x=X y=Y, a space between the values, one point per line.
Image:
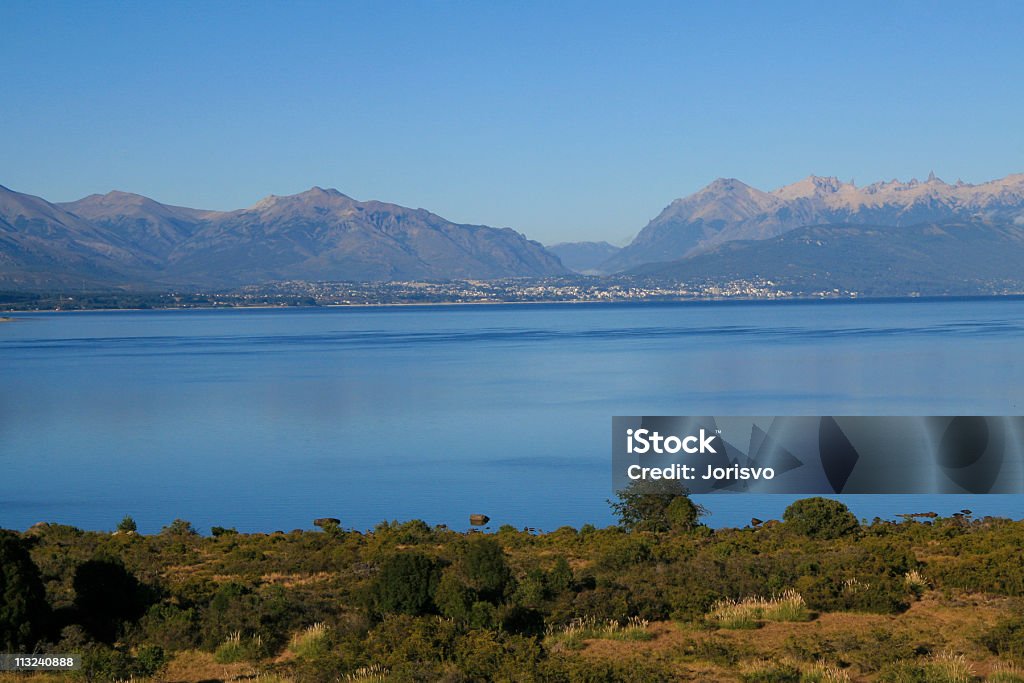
x=822 y=672
x=239 y=649
x=916 y=582
x=293 y=580
x=193 y=666
x=947 y=667
x=375 y=673
x=573 y=634
x=935 y=621
x=1006 y=673
x=308 y=641
x=750 y=612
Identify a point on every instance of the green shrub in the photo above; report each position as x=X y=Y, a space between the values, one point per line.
x=310 y=642
x=487 y=656
x=406 y=584
x=170 y=627
x=822 y=518
x=237 y=648
x=482 y=615
x=401 y=639
x=101 y=663
x=1006 y=638
x=484 y=568
x=903 y=671
x=453 y=598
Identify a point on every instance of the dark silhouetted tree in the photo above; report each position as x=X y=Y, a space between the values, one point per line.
x=107 y=596
x=23 y=608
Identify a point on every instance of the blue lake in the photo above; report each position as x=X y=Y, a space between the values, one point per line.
x=265 y=419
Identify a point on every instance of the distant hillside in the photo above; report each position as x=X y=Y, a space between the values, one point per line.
x=583 y=257
x=962 y=257
x=42 y=246
x=152 y=227
x=122 y=239
x=728 y=209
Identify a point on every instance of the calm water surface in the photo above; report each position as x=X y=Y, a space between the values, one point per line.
x=265 y=419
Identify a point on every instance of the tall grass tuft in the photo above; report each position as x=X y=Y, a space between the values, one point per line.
x=915 y=582
x=822 y=672
x=375 y=673
x=750 y=612
x=272 y=678
x=238 y=649
x=310 y=641
x=946 y=667
x=768 y=671
x=1006 y=673
x=789 y=606
x=573 y=634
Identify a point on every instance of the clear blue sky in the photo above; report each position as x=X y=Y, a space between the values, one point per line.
x=564 y=120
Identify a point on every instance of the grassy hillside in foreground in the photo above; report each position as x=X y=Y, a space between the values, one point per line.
x=814 y=598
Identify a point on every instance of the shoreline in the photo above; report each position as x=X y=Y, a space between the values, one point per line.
x=792 y=300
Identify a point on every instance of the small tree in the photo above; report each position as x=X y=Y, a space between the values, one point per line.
x=180 y=528
x=656 y=506
x=820 y=518
x=127 y=525
x=560 y=577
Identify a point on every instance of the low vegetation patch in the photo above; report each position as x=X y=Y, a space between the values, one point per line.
x=915 y=601
x=752 y=611
x=1007 y=673
x=573 y=634
x=237 y=648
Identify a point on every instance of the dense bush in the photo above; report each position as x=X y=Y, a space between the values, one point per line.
x=453 y=598
x=1006 y=638
x=103 y=663
x=820 y=518
x=484 y=568
x=406 y=584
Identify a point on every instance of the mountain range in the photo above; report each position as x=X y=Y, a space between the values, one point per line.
x=728 y=210
x=893 y=236
x=927 y=259
x=124 y=239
